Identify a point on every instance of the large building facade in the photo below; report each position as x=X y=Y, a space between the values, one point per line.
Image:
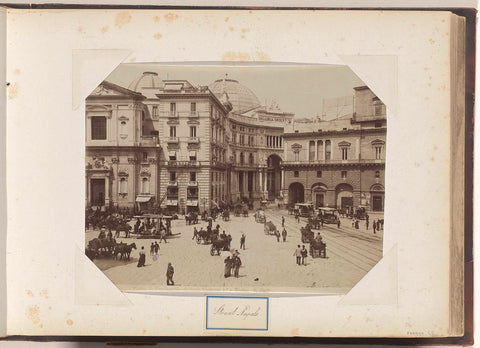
x=171 y=145
x=339 y=163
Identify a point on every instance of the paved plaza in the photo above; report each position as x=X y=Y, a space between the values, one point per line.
x=267 y=265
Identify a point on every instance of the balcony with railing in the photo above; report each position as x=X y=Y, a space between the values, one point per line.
x=193 y=114
x=193 y=183
x=172 y=140
x=188 y=163
x=334 y=161
x=172 y=113
x=193 y=140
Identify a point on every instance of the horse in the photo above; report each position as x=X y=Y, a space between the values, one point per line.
x=124 y=250
x=123 y=227
x=219 y=245
x=191 y=218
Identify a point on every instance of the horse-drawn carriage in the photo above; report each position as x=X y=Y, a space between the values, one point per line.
x=226 y=215
x=237 y=210
x=191 y=219
x=269 y=228
x=220 y=244
x=307 y=234
x=260 y=216
x=315 y=221
x=318 y=249
x=107 y=246
x=206 y=236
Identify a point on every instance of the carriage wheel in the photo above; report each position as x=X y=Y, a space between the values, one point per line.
x=212 y=250
x=199 y=239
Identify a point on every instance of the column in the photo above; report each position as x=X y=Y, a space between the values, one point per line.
x=107 y=191
x=282 y=180
x=265 y=183
x=87 y=194
x=316 y=150
x=324 y=147
x=260 y=181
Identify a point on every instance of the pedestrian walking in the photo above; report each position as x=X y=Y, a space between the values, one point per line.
x=297 y=217
x=156 y=248
x=236 y=265
x=163 y=236
x=228 y=267
x=283 y=221
x=374 y=227
x=304 y=253
x=141 y=259
x=242 y=241
x=298 y=254
x=366 y=224
x=277 y=234
x=152 y=248
x=356 y=224
x=195 y=232
x=338 y=223
x=170 y=272
x=284 y=235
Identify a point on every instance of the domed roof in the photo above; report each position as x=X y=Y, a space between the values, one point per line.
x=148 y=84
x=240 y=96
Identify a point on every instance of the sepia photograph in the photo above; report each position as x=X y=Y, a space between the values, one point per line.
x=234 y=177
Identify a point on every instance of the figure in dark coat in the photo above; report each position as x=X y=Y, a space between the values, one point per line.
x=141 y=259
x=170 y=272
x=228 y=267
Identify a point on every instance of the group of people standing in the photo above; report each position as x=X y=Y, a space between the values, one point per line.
x=300 y=255
x=233 y=263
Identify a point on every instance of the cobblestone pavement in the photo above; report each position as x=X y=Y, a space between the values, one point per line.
x=267 y=265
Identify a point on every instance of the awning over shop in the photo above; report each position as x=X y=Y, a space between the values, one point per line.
x=192 y=203
x=172 y=202
x=143 y=199
x=172 y=154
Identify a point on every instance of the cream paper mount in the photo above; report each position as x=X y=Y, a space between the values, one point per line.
x=45 y=297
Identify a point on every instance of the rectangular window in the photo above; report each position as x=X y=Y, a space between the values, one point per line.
x=378 y=109
x=193 y=176
x=378 y=152
x=193 y=107
x=344 y=153
x=173 y=176
x=319 y=173
x=144 y=157
x=155 y=111
x=173 y=131
x=344 y=174
x=173 y=109
x=193 y=156
x=99 y=128
x=193 y=131
x=297 y=156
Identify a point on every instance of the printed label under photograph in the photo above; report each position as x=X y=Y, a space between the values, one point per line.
x=236 y=313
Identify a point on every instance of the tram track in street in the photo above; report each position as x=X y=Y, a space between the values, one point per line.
x=360 y=254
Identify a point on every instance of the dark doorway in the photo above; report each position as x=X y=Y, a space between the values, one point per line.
x=319 y=199
x=347 y=202
x=377 y=203
x=296 y=193
x=97 y=191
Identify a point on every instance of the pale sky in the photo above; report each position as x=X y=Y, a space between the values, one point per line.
x=296 y=88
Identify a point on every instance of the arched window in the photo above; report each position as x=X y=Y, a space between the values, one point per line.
x=145 y=186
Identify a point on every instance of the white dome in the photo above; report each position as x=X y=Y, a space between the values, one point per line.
x=241 y=97
x=148 y=84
